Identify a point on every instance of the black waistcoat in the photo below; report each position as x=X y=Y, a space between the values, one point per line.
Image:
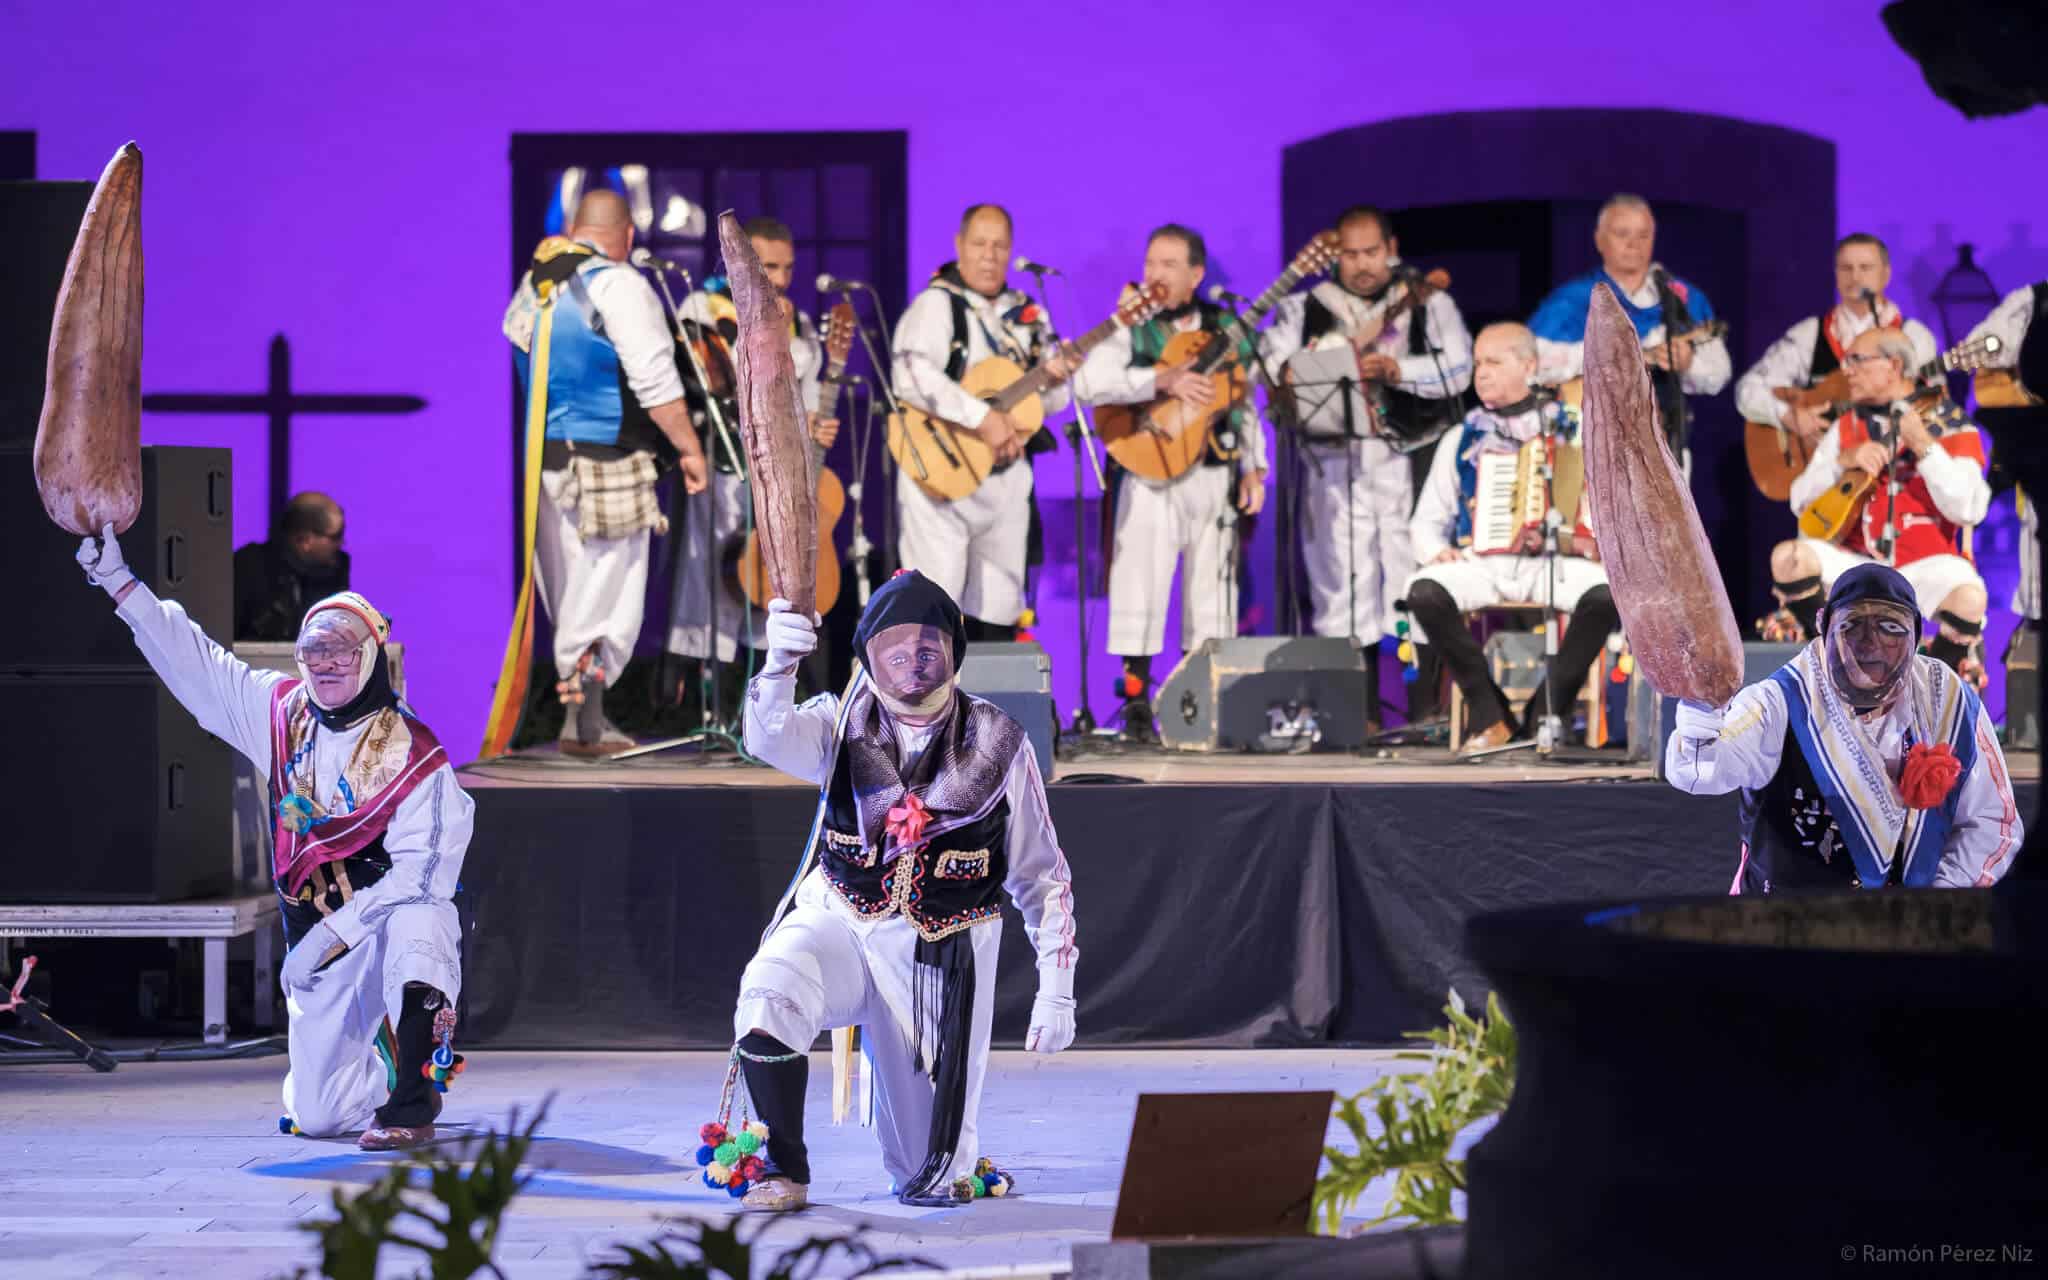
x=1411 y=420
x=330 y=885
x=952 y=883
x=1792 y=837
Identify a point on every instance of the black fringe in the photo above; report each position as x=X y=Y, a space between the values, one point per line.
x=948 y=966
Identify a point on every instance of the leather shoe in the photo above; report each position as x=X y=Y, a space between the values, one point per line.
x=395 y=1137
x=775 y=1195
x=1494 y=735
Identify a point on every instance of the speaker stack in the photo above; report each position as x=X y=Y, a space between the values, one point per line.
x=1265 y=693
x=118 y=794
x=1017 y=677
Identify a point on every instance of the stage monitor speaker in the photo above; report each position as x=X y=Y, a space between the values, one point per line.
x=1265 y=693
x=1017 y=676
x=2023 y=689
x=42 y=220
x=1190 y=1174
x=119 y=795
x=181 y=545
x=1653 y=717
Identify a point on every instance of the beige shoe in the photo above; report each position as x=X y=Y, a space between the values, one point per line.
x=1494 y=735
x=775 y=1195
x=396 y=1137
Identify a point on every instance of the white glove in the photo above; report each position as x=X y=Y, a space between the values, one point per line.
x=1698 y=721
x=101 y=559
x=790 y=637
x=305 y=959
x=1052 y=1024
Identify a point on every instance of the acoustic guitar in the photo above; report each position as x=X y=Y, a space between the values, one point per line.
x=1163 y=438
x=1777 y=456
x=2001 y=389
x=750 y=569
x=1572 y=391
x=949 y=461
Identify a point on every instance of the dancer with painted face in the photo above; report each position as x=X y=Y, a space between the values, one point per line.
x=371 y=829
x=931 y=809
x=1862 y=763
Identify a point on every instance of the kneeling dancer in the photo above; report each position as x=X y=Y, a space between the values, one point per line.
x=370 y=833
x=932 y=807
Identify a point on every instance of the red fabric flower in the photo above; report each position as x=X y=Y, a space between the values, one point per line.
x=1930 y=774
x=907 y=821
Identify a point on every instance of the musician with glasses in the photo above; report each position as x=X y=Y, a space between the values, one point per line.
x=1813 y=348
x=1661 y=305
x=1359 y=494
x=1460 y=573
x=1927 y=462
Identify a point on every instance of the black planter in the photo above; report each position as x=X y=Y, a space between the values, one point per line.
x=1768 y=1086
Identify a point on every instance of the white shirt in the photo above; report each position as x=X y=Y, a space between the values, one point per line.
x=1711 y=366
x=634 y=323
x=1987 y=830
x=1433 y=376
x=1788 y=362
x=799 y=740
x=1107 y=376
x=923 y=348
x=429 y=832
x=2008 y=322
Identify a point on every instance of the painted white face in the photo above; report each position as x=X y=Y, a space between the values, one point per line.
x=336 y=650
x=912 y=667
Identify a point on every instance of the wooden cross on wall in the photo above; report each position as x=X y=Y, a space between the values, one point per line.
x=279 y=403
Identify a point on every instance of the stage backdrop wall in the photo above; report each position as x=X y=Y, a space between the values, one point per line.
x=339 y=174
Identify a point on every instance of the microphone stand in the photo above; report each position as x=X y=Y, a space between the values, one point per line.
x=882 y=383
x=1081 y=435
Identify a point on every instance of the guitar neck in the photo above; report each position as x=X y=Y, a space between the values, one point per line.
x=1038 y=380
x=1220 y=351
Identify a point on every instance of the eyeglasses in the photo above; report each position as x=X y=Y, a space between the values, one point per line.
x=1869 y=358
x=331 y=660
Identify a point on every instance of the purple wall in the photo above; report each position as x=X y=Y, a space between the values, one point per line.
x=341 y=176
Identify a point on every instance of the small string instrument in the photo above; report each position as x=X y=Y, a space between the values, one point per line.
x=751 y=569
x=1840 y=507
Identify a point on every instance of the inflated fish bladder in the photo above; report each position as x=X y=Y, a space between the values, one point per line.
x=88 y=454
x=1660 y=567
x=772 y=425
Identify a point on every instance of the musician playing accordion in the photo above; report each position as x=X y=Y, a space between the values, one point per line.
x=1478 y=530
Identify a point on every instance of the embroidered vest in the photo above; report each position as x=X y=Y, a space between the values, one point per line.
x=1790 y=839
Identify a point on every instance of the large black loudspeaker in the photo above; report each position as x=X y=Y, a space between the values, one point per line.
x=42 y=220
x=1265 y=693
x=1017 y=676
x=126 y=797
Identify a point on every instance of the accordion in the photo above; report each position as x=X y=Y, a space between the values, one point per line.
x=1513 y=495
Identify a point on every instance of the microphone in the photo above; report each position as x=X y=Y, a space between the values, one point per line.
x=829 y=283
x=1035 y=268
x=1217 y=293
x=645 y=258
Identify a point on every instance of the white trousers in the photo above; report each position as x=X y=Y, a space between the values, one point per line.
x=823 y=967
x=1156 y=525
x=1355 y=522
x=1931 y=577
x=595 y=590
x=336 y=1081
x=1479 y=582
x=706 y=534
x=974 y=548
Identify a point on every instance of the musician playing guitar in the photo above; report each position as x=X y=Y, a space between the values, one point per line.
x=1661 y=304
x=1419 y=365
x=714 y=523
x=1812 y=349
x=1467 y=567
x=1189 y=515
x=1927 y=464
x=974 y=547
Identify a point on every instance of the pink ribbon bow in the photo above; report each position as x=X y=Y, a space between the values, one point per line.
x=907 y=821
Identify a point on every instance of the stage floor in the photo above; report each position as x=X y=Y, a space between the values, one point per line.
x=176 y=1169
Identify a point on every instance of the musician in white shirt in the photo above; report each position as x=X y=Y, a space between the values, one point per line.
x=1454 y=525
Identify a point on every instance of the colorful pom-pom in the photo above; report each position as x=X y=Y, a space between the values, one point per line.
x=751 y=1168
x=747 y=1143
x=1409 y=675
x=736 y=1190
x=1627 y=664
x=285 y=1126
x=718 y=1173
x=1407 y=651
x=709 y=1183
x=712 y=1134
x=759 y=1130
x=1000 y=1188
x=728 y=1153
x=1027 y=618
x=706 y=1154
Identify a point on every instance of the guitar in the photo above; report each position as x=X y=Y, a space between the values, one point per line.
x=1777 y=455
x=1840 y=507
x=1572 y=391
x=704 y=356
x=1161 y=439
x=2002 y=389
x=949 y=461
x=751 y=568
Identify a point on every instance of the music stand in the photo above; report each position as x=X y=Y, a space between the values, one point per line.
x=1190 y=1174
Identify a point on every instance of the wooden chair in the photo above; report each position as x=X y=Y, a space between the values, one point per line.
x=1532 y=617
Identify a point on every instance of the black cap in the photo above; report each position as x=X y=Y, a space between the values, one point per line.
x=1871 y=582
x=910 y=599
